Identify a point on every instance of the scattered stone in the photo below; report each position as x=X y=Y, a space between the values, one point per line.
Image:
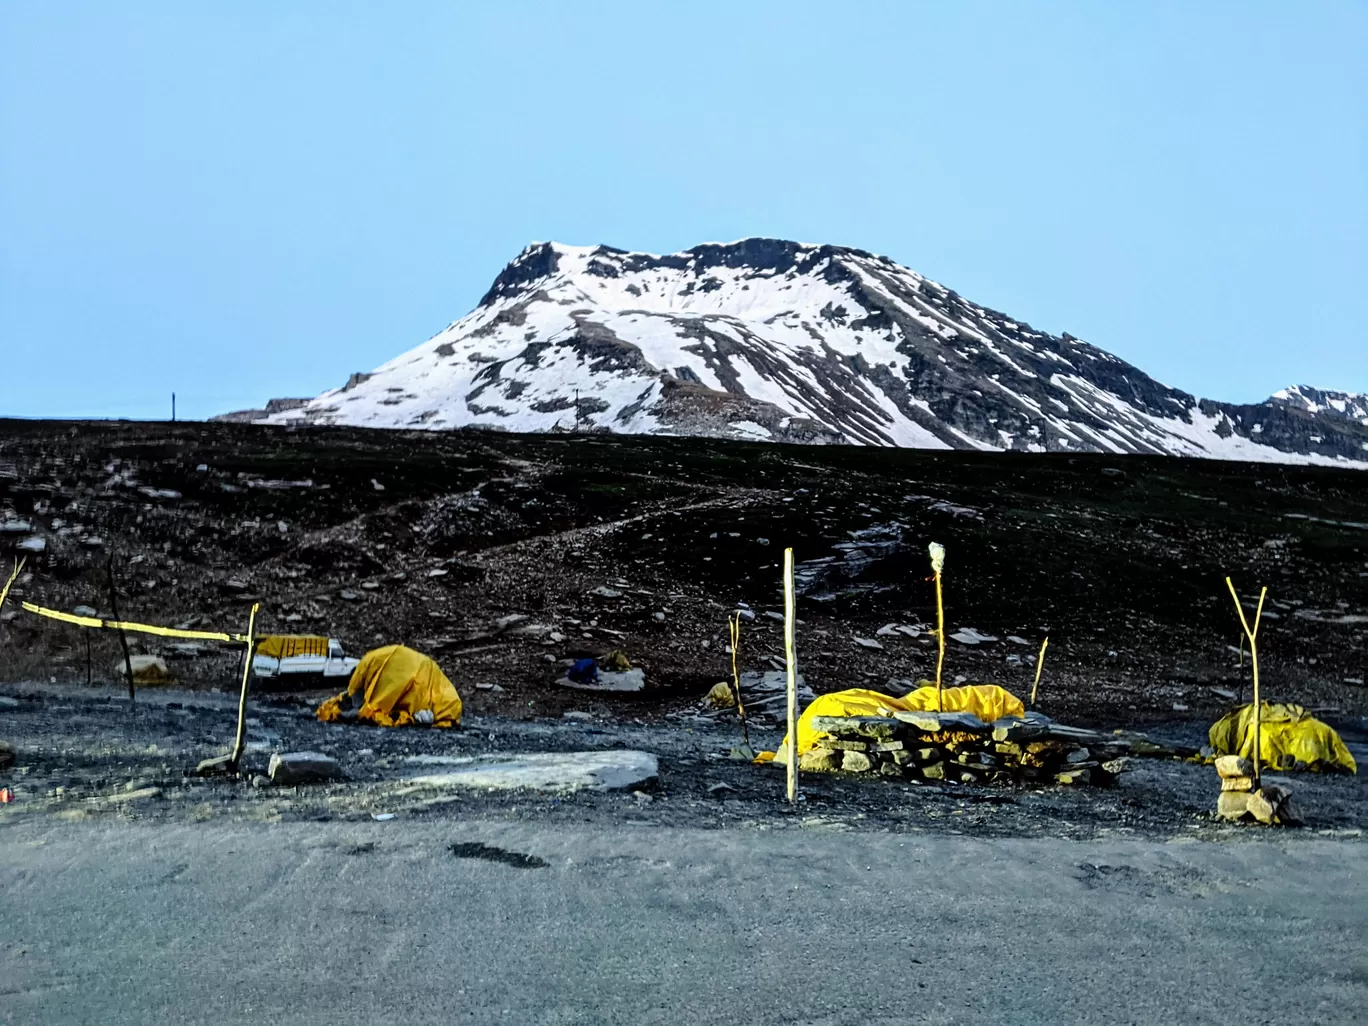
x=347 y=595
x=658 y=616
x=8 y=703
x=1179 y=707
x=505 y=622
x=603 y=591
x=302 y=768
x=721 y=788
x=1229 y=696
x=1080 y=775
x=609 y=680
x=261 y=780
x=1237 y=783
x=869 y=643
x=1078 y=755
x=773 y=615
x=969 y=636
x=89 y=611
x=577 y=714
x=742 y=753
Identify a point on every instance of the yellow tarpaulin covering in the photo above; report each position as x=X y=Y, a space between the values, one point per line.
x=1287 y=736
x=988 y=702
x=285 y=646
x=397 y=683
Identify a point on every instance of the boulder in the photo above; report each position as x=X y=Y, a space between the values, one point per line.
x=1237 y=783
x=856 y=762
x=303 y=768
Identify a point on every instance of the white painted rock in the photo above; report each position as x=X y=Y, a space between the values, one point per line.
x=608 y=680
x=543 y=771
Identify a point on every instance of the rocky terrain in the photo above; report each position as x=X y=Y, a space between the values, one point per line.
x=504 y=556
x=776 y=340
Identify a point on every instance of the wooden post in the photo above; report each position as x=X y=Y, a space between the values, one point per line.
x=1040 y=665
x=1252 y=635
x=87 y=641
x=734 y=629
x=790 y=660
x=4 y=592
x=241 y=740
x=123 y=641
x=937 y=552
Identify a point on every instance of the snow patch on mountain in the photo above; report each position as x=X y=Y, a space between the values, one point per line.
x=766 y=339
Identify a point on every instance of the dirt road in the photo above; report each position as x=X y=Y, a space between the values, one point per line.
x=384 y=922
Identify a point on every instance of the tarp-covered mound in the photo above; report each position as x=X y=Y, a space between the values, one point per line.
x=988 y=702
x=1289 y=738
x=394 y=685
x=286 y=646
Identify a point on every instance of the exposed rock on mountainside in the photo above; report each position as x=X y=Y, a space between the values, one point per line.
x=776 y=340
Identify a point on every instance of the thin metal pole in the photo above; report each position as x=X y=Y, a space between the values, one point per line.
x=1040 y=665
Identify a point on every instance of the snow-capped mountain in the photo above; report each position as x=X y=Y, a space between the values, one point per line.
x=767 y=339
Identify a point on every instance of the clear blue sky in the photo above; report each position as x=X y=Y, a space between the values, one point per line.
x=244 y=200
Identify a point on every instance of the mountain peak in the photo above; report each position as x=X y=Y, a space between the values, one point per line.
x=773 y=339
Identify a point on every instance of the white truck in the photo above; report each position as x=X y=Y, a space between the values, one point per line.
x=290 y=658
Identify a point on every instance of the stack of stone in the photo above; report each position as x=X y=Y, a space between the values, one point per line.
x=961 y=747
x=1243 y=800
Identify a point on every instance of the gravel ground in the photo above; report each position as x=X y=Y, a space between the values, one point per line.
x=82 y=752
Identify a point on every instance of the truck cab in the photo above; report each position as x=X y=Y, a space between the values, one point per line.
x=304 y=658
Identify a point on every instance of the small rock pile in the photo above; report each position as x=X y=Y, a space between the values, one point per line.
x=1242 y=800
x=961 y=747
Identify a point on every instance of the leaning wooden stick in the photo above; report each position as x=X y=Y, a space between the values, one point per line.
x=734 y=627
x=4 y=592
x=1252 y=635
x=790 y=663
x=1040 y=665
x=114 y=608
x=937 y=551
x=241 y=740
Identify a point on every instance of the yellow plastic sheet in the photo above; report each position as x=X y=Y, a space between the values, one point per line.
x=396 y=683
x=1287 y=736
x=988 y=702
x=285 y=646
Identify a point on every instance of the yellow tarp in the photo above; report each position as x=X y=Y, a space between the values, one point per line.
x=1287 y=736
x=285 y=646
x=988 y=702
x=396 y=683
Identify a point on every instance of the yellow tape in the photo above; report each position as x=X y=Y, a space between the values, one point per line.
x=121 y=625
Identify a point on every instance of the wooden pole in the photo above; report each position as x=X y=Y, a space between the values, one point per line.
x=123 y=640
x=1040 y=665
x=734 y=629
x=87 y=641
x=790 y=660
x=4 y=592
x=241 y=739
x=937 y=552
x=1252 y=635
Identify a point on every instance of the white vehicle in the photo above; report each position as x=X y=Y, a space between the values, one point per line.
x=291 y=657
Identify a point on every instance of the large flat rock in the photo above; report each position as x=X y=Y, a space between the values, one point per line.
x=543 y=771
x=609 y=680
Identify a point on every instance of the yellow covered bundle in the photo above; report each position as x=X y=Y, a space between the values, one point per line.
x=989 y=702
x=286 y=646
x=1287 y=736
x=396 y=684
